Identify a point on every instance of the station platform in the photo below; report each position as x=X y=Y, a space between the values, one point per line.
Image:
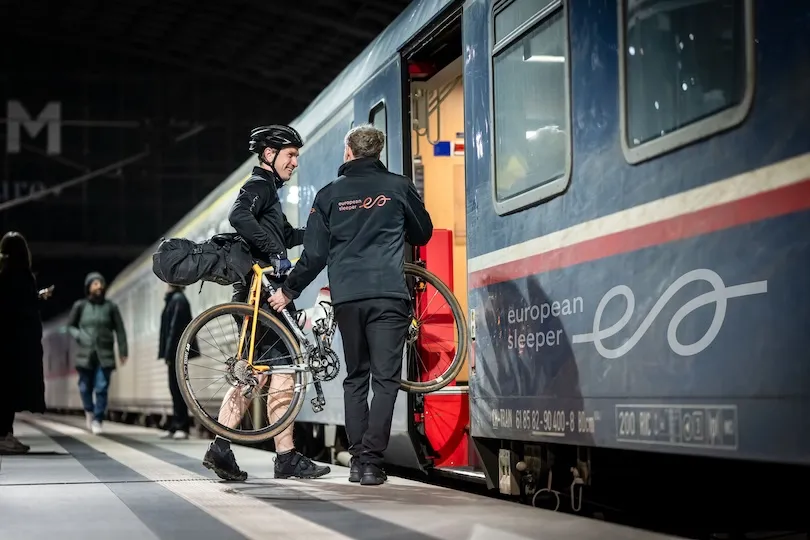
x=128 y=484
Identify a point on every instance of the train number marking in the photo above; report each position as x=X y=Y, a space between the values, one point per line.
x=710 y=426
x=554 y=423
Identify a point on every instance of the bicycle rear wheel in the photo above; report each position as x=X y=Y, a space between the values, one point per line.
x=207 y=352
x=437 y=341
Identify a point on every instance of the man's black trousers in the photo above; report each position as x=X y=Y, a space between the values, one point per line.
x=180 y=420
x=373 y=333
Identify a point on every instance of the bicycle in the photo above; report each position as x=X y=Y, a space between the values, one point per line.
x=308 y=358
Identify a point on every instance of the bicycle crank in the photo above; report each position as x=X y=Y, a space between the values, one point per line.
x=324 y=364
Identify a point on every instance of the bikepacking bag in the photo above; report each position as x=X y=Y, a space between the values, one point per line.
x=223 y=259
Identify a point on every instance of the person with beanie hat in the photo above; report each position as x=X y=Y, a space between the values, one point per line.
x=92 y=322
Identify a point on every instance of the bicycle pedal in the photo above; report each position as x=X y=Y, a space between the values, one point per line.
x=317 y=406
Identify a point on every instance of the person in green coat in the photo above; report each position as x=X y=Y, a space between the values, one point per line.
x=92 y=322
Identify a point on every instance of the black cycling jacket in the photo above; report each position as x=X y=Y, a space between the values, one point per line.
x=358 y=226
x=257 y=217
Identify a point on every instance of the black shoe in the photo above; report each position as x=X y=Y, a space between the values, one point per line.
x=372 y=475
x=294 y=464
x=223 y=462
x=354 y=471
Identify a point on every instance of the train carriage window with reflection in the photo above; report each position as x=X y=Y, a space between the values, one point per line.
x=378 y=120
x=684 y=62
x=531 y=106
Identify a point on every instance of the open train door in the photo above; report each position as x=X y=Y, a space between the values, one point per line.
x=434 y=144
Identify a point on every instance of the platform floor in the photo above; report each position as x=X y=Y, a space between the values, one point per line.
x=129 y=484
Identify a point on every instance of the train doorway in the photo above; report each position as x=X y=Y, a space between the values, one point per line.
x=436 y=118
x=434 y=100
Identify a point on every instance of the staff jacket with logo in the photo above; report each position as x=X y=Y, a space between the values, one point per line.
x=358 y=226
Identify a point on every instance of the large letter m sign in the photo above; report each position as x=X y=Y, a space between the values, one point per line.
x=17 y=117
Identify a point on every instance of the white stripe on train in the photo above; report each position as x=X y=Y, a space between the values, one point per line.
x=769 y=178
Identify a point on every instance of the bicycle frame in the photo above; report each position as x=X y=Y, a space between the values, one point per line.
x=314 y=362
x=258 y=282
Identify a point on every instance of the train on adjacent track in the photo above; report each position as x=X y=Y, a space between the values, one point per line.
x=621 y=196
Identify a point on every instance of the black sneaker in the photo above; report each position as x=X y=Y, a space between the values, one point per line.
x=223 y=462
x=354 y=471
x=372 y=475
x=294 y=464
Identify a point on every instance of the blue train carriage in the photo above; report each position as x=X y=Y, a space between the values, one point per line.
x=637 y=206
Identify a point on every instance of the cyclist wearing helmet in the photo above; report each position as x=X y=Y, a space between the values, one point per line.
x=256 y=215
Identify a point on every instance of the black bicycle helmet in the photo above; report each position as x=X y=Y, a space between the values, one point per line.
x=276 y=136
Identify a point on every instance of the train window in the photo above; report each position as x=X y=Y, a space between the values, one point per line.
x=378 y=120
x=512 y=20
x=531 y=106
x=686 y=71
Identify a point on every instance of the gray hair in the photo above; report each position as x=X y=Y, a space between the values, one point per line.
x=365 y=141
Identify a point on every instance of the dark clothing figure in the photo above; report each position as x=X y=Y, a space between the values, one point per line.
x=256 y=215
x=358 y=227
x=21 y=327
x=92 y=322
x=22 y=386
x=373 y=333
x=174 y=319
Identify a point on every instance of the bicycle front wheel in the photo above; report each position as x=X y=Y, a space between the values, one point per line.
x=227 y=394
x=437 y=341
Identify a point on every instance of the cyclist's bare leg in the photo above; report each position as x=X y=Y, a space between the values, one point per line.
x=289 y=462
x=279 y=396
x=219 y=456
x=278 y=401
x=234 y=405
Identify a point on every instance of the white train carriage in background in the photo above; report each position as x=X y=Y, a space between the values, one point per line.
x=571 y=153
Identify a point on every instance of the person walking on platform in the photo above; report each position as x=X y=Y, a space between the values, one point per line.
x=257 y=217
x=357 y=227
x=22 y=386
x=92 y=322
x=174 y=319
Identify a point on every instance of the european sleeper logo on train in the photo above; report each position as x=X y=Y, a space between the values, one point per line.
x=720 y=294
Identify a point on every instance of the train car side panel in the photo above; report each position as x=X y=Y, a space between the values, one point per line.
x=657 y=305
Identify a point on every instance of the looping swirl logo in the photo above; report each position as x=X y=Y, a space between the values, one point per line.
x=379 y=201
x=367 y=203
x=719 y=296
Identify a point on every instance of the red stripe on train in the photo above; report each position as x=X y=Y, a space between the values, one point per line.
x=770 y=204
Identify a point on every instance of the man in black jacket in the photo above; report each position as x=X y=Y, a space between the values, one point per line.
x=175 y=317
x=358 y=226
x=256 y=215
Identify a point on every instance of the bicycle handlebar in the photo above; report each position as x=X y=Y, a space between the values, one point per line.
x=272 y=270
